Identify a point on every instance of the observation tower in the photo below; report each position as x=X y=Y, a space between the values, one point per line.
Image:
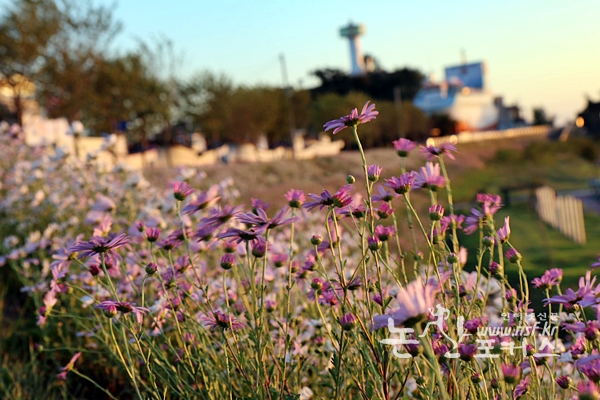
x=352 y=33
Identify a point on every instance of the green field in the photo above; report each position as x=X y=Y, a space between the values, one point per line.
x=542 y=248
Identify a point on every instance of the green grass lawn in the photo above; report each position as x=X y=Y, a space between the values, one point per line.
x=543 y=248
x=561 y=170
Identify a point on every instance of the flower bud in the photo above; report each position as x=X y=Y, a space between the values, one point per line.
x=140 y=226
x=152 y=234
x=564 y=381
x=374 y=243
x=452 y=258
x=418 y=256
x=373 y=172
x=436 y=212
x=110 y=311
x=348 y=322
x=316 y=240
x=354 y=285
x=495 y=268
x=94 y=270
x=151 y=268
x=259 y=249
x=513 y=255
x=488 y=241
x=270 y=305
x=350 y=179
x=227 y=261
x=316 y=284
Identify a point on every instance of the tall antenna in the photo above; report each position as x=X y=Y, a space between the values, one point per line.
x=352 y=33
x=288 y=91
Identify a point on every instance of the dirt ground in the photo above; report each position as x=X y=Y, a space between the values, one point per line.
x=270 y=181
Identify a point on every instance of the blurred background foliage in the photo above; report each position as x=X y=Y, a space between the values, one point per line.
x=64 y=48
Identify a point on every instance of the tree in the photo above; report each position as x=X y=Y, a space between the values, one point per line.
x=540 y=117
x=377 y=85
x=26 y=30
x=241 y=114
x=74 y=56
x=412 y=122
x=206 y=100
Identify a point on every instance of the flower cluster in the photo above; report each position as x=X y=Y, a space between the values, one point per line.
x=349 y=293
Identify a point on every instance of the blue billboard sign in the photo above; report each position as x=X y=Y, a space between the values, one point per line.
x=469 y=75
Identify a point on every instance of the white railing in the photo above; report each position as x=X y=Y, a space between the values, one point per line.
x=469 y=137
x=564 y=213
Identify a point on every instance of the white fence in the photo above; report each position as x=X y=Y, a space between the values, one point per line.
x=564 y=213
x=469 y=137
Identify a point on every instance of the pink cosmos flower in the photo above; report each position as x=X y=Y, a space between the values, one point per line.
x=204 y=200
x=324 y=292
x=588 y=390
x=97 y=245
x=68 y=367
x=513 y=255
x=490 y=203
x=104 y=226
x=384 y=195
x=110 y=308
x=384 y=233
x=367 y=114
x=511 y=373
x=467 y=351
x=221 y=215
x=356 y=208
x=340 y=199
x=384 y=210
x=521 y=388
x=103 y=203
x=430 y=177
x=152 y=234
x=373 y=172
x=456 y=220
x=259 y=247
x=563 y=381
x=550 y=278
x=348 y=322
x=445 y=148
x=227 y=261
x=504 y=232
x=402 y=184
x=295 y=198
x=258 y=203
x=597 y=264
x=181 y=190
x=279 y=259
x=590 y=369
x=260 y=218
x=415 y=302
x=403 y=146
x=218 y=319
x=436 y=212
x=584 y=296
x=240 y=235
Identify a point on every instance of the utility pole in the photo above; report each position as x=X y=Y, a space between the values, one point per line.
x=288 y=91
x=398 y=106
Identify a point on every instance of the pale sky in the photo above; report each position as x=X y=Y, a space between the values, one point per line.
x=538 y=52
